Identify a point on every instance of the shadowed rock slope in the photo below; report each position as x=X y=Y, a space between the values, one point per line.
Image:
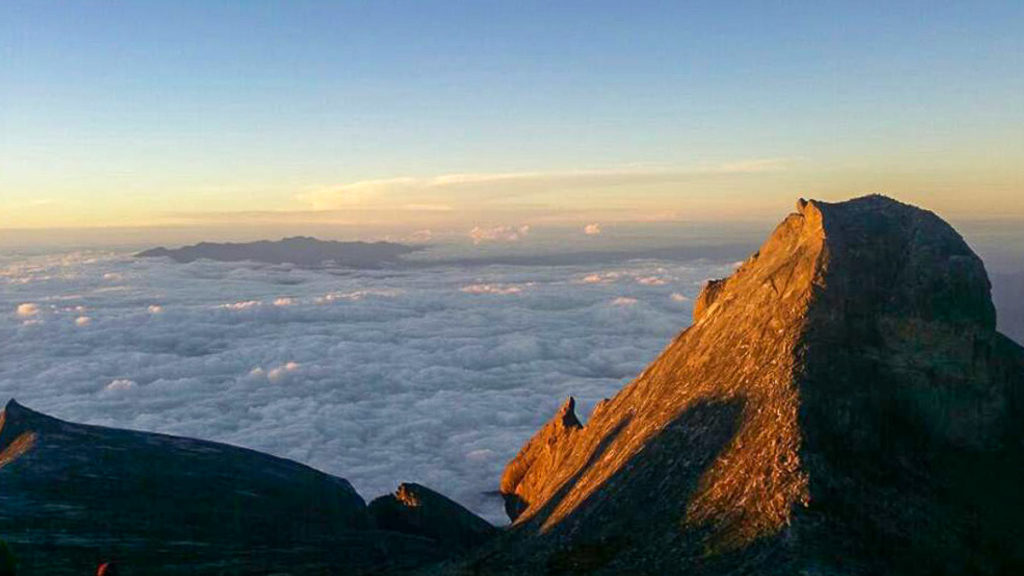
x=73 y=495
x=842 y=404
x=418 y=510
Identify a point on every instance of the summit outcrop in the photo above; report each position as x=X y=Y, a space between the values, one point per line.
x=841 y=404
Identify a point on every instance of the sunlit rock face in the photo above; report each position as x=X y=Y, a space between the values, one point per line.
x=842 y=404
x=541 y=457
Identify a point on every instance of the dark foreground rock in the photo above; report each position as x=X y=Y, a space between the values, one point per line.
x=74 y=496
x=419 y=511
x=842 y=404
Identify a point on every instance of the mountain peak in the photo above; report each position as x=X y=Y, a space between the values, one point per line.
x=855 y=349
x=14 y=419
x=567 y=414
x=905 y=261
x=14 y=406
x=546 y=451
x=17 y=433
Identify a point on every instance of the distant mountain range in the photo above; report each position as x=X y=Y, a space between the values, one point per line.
x=298 y=250
x=841 y=405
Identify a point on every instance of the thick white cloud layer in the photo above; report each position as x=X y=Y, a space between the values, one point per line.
x=434 y=375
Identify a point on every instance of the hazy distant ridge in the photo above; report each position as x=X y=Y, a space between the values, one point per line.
x=299 y=250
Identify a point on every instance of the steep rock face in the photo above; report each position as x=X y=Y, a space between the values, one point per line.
x=541 y=456
x=73 y=495
x=418 y=510
x=841 y=404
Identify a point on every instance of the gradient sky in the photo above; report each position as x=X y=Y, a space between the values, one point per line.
x=457 y=114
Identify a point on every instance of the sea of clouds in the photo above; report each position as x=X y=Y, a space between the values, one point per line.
x=435 y=373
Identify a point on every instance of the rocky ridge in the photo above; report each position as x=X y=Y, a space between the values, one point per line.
x=73 y=495
x=842 y=404
x=418 y=510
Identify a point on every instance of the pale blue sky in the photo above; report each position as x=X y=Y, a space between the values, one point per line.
x=168 y=112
